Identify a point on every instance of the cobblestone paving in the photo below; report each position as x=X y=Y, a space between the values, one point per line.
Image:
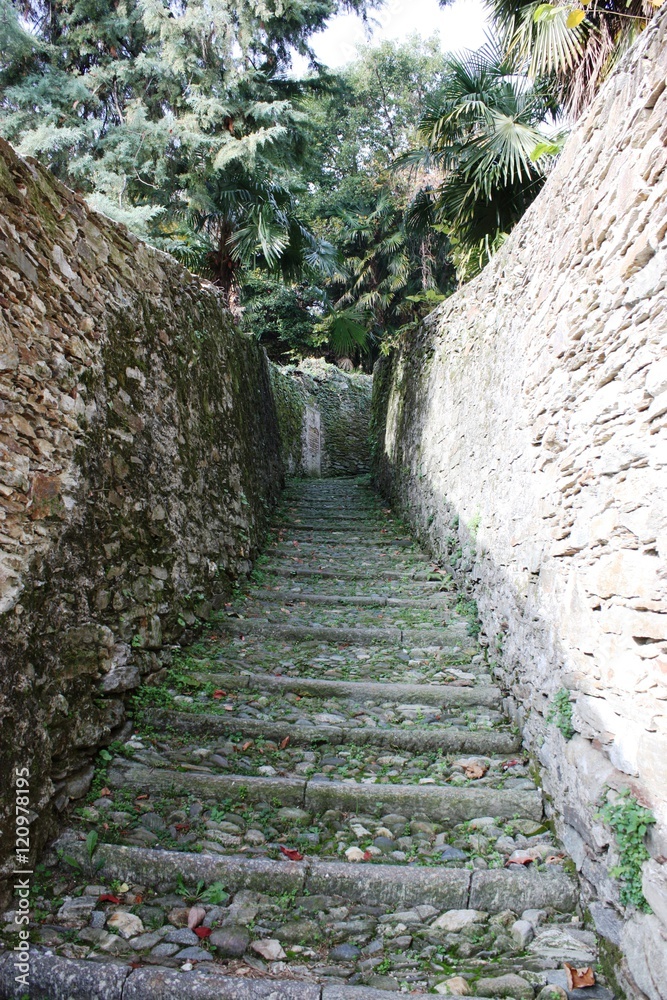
x=320 y=799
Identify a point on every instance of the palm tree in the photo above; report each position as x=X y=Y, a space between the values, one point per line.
x=484 y=141
x=393 y=268
x=574 y=42
x=242 y=219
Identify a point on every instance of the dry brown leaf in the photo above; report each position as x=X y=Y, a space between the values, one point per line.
x=576 y=978
x=284 y=743
x=475 y=771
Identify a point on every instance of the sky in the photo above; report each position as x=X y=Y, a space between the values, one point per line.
x=460 y=26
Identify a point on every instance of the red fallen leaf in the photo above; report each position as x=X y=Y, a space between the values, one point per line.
x=284 y=743
x=576 y=978
x=368 y=856
x=142 y=797
x=228 y=708
x=108 y=897
x=291 y=853
x=506 y=764
x=105 y=791
x=135 y=965
x=138 y=900
x=246 y=745
x=203 y=932
x=553 y=859
x=218 y=694
x=182 y=826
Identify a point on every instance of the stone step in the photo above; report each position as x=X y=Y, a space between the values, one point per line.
x=325 y=762
x=360 y=636
x=407 y=620
x=449 y=806
x=450 y=740
x=54 y=977
x=405 y=574
x=440 y=600
x=352 y=530
x=389 y=886
x=425 y=694
x=370 y=517
x=344 y=551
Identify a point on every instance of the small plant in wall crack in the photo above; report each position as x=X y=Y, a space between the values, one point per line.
x=630 y=822
x=560 y=713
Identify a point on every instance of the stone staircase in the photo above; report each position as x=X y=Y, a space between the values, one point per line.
x=322 y=800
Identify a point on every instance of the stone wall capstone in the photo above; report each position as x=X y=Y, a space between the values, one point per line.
x=139 y=458
x=523 y=432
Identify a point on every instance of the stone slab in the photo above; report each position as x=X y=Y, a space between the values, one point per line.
x=391 y=885
x=500 y=889
x=450 y=740
x=291 y=790
x=54 y=978
x=424 y=694
x=171 y=984
x=161 y=869
x=442 y=803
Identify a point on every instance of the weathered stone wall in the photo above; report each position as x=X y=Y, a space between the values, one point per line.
x=523 y=431
x=139 y=456
x=324 y=417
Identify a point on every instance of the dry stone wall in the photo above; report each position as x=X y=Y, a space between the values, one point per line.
x=324 y=417
x=139 y=457
x=523 y=431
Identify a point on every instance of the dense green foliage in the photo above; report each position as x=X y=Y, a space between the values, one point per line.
x=333 y=210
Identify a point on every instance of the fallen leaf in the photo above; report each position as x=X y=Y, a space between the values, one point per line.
x=138 y=900
x=141 y=797
x=182 y=826
x=475 y=771
x=135 y=965
x=195 y=916
x=108 y=897
x=284 y=743
x=105 y=791
x=291 y=853
x=576 y=978
x=506 y=764
x=553 y=859
x=203 y=932
x=368 y=856
x=218 y=694
x=246 y=745
x=124 y=887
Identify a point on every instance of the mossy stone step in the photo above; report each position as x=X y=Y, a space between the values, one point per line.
x=438 y=601
x=450 y=740
x=389 y=886
x=447 y=805
x=343 y=551
x=411 y=637
x=420 y=694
